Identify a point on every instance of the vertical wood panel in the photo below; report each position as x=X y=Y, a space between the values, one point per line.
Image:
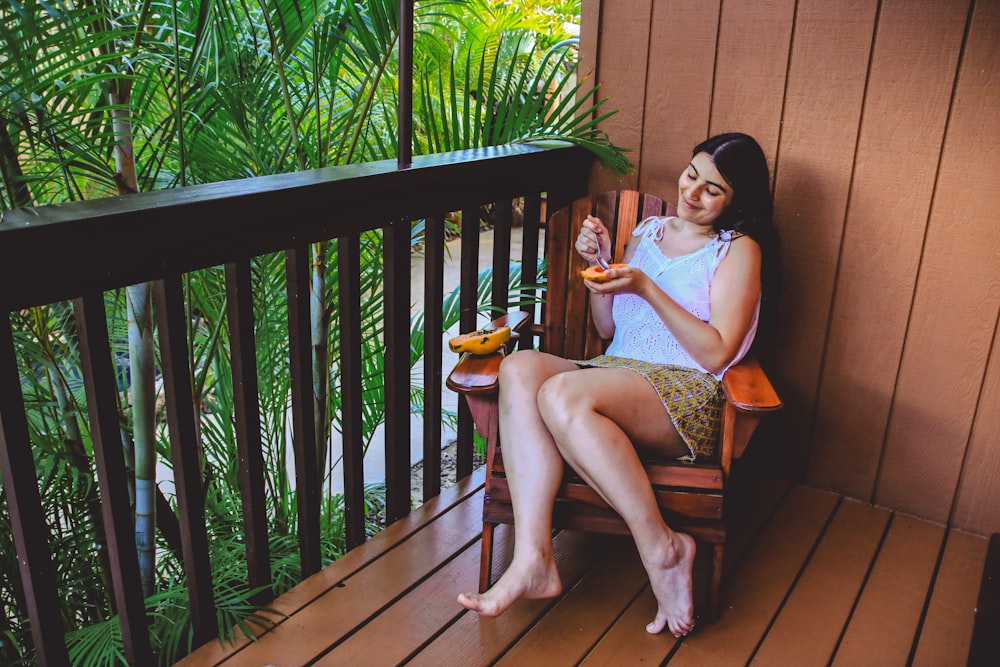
x=621 y=71
x=856 y=105
x=978 y=504
x=913 y=68
x=679 y=90
x=957 y=297
x=576 y=296
x=557 y=235
x=590 y=35
x=751 y=69
x=977 y=507
x=826 y=79
x=608 y=208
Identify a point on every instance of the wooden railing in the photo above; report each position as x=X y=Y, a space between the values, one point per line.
x=77 y=251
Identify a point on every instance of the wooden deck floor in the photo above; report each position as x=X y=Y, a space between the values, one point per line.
x=811 y=579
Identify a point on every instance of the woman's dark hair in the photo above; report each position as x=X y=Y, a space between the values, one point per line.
x=740 y=160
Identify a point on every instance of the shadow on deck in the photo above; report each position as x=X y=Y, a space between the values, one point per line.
x=811 y=579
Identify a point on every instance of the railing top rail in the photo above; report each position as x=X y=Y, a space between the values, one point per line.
x=57 y=252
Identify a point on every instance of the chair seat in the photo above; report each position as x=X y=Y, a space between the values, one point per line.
x=683 y=490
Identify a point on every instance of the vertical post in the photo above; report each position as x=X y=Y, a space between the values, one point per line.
x=27 y=519
x=433 y=354
x=171 y=318
x=396 y=240
x=405 y=137
x=529 y=262
x=352 y=431
x=468 y=301
x=246 y=417
x=504 y=220
x=109 y=460
x=297 y=265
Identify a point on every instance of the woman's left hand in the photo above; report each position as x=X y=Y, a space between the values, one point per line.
x=624 y=279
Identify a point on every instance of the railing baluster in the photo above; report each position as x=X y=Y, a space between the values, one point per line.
x=303 y=425
x=246 y=405
x=501 y=253
x=433 y=354
x=397 y=370
x=184 y=447
x=349 y=278
x=529 y=261
x=27 y=520
x=99 y=381
x=469 y=280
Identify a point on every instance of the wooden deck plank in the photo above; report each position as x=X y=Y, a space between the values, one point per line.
x=215 y=652
x=627 y=642
x=809 y=625
x=947 y=630
x=579 y=620
x=413 y=621
x=340 y=610
x=823 y=581
x=477 y=640
x=760 y=583
x=887 y=618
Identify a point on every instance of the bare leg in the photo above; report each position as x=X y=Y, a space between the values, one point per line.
x=597 y=432
x=534 y=470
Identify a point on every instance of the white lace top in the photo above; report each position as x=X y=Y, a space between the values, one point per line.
x=687 y=279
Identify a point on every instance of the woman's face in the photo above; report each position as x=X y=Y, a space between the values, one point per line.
x=703 y=194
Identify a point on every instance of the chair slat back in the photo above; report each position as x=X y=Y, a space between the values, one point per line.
x=568 y=330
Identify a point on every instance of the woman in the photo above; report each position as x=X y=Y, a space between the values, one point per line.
x=682 y=311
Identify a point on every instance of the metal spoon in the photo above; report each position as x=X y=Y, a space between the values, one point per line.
x=600 y=260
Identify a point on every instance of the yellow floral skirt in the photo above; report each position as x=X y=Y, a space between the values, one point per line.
x=693 y=399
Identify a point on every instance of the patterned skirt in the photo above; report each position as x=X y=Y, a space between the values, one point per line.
x=693 y=399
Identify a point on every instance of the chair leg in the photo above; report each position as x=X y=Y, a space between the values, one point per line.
x=714 y=583
x=486 y=557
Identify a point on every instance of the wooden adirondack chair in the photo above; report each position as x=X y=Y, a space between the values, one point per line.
x=691 y=496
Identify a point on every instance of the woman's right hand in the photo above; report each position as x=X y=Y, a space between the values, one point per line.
x=593 y=241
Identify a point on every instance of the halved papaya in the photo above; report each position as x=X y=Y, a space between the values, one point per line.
x=481 y=342
x=597 y=274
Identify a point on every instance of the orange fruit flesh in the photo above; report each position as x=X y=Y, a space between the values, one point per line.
x=597 y=274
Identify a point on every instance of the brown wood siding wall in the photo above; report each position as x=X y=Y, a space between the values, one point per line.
x=880 y=123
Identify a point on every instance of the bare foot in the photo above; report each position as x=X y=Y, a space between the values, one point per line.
x=671 y=583
x=536 y=581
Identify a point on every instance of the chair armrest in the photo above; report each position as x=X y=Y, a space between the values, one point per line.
x=747 y=388
x=476 y=375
